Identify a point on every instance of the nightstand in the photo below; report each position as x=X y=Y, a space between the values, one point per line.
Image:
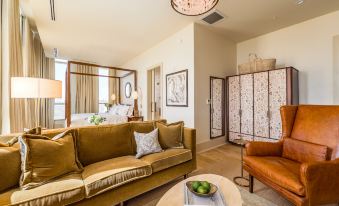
x=133 y=118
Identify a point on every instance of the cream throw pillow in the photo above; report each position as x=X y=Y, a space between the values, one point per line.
x=44 y=159
x=147 y=143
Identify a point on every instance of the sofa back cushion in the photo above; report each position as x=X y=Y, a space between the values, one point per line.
x=318 y=125
x=304 y=151
x=44 y=159
x=10 y=167
x=98 y=143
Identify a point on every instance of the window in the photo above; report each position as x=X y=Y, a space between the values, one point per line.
x=60 y=74
x=103 y=90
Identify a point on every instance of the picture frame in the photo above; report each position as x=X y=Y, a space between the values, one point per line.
x=177 y=89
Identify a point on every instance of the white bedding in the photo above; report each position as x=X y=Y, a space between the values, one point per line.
x=78 y=120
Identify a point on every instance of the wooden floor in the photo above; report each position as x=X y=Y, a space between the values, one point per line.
x=225 y=161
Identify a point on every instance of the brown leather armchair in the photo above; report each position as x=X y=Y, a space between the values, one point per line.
x=304 y=165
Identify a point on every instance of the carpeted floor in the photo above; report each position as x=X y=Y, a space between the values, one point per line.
x=225 y=161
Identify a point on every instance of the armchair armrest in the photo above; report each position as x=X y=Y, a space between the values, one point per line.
x=264 y=148
x=321 y=181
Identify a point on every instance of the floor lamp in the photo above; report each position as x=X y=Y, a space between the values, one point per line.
x=37 y=89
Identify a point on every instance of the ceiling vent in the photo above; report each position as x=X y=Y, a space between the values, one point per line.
x=213 y=17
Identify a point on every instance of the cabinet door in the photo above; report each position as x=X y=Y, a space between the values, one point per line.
x=261 y=119
x=277 y=98
x=234 y=104
x=246 y=98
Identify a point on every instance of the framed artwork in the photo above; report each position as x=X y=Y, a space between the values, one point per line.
x=177 y=89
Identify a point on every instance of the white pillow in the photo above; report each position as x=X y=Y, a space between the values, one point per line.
x=130 y=111
x=123 y=110
x=113 y=109
x=147 y=143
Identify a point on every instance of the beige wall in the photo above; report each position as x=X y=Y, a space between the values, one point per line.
x=215 y=55
x=336 y=69
x=307 y=46
x=174 y=54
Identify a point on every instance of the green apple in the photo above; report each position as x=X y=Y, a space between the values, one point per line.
x=202 y=190
x=206 y=185
x=195 y=185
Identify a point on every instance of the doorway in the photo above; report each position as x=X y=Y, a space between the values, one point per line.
x=154 y=93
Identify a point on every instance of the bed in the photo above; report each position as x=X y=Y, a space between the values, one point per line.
x=117 y=114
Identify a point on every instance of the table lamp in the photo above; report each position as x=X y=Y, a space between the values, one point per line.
x=135 y=97
x=35 y=88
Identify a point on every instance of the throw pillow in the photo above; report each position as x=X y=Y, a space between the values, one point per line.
x=44 y=159
x=304 y=151
x=171 y=135
x=147 y=143
x=14 y=140
x=9 y=167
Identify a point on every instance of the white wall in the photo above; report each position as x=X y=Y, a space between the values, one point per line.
x=307 y=46
x=215 y=55
x=174 y=54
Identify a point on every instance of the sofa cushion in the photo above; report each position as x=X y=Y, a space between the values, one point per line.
x=304 y=151
x=10 y=167
x=281 y=171
x=105 y=175
x=167 y=159
x=45 y=159
x=171 y=135
x=147 y=143
x=142 y=127
x=110 y=141
x=66 y=190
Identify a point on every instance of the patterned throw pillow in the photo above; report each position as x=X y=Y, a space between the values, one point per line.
x=147 y=143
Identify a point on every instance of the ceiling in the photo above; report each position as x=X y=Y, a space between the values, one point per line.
x=112 y=32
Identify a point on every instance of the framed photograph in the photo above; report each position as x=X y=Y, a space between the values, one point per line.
x=177 y=89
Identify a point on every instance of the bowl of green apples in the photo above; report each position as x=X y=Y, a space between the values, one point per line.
x=202 y=188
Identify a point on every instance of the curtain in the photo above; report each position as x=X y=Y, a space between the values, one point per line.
x=36 y=64
x=87 y=90
x=47 y=105
x=113 y=87
x=16 y=106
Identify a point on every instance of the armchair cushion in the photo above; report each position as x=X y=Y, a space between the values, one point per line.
x=283 y=172
x=304 y=151
x=264 y=148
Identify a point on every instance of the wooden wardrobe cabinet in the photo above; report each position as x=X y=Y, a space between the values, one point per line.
x=254 y=101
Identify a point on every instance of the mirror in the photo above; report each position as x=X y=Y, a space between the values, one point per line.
x=128 y=90
x=217 y=107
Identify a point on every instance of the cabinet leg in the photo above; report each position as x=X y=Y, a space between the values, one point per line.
x=185 y=176
x=122 y=204
x=251 y=184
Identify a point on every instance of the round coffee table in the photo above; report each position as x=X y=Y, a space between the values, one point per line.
x=175 y=196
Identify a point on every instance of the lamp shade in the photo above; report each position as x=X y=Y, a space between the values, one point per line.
x=28 y=87
x=135 y=95
x=113 y=97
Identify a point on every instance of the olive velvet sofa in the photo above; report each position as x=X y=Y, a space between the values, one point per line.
x=111 y=175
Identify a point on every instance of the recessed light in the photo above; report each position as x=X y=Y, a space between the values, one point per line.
x=299 y=2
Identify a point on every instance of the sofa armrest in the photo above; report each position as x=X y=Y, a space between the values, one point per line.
x=189 y=142
x=321 y=181
x=264 y=148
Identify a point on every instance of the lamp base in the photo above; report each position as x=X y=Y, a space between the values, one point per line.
x=241 y=181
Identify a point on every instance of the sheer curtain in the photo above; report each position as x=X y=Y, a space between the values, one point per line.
x=16 y=106
x=36 y=64
x=87 y=90
x=113 y=87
